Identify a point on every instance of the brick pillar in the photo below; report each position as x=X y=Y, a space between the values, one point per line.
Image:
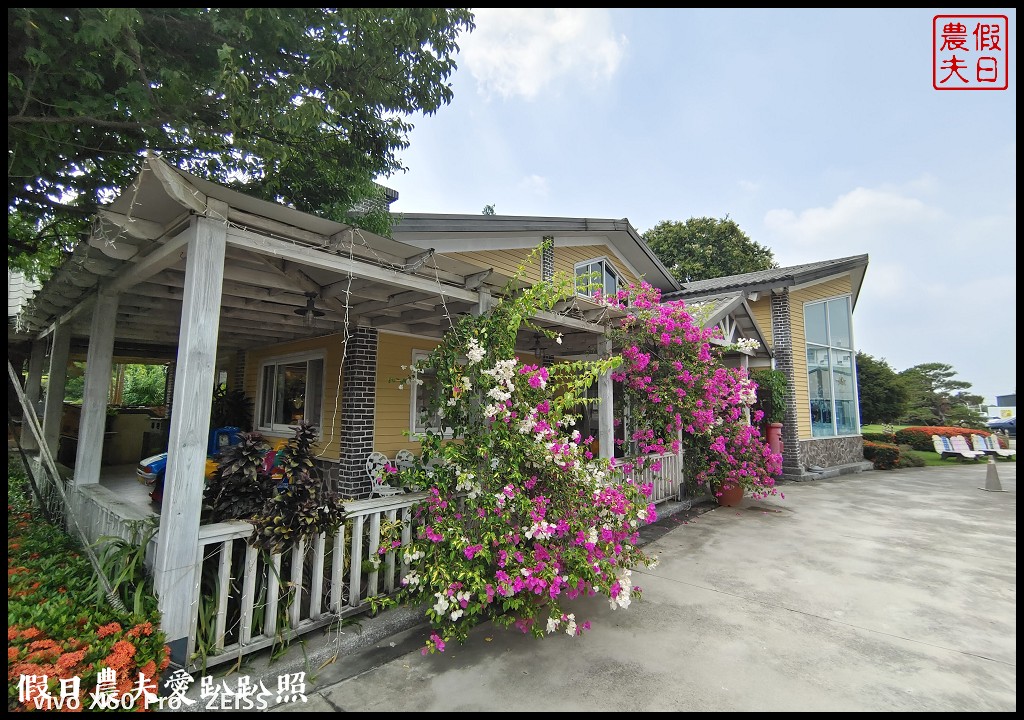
x=782 y=336
x=169 y=387
x=239 y=378
x=547 y=258
x=358 y=398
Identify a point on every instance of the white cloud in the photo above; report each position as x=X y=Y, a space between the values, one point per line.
x=520 y=52
x=535 y=184
x=931 y=273
x=861 y=218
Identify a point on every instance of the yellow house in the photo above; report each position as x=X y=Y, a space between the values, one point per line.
x=314 y=320
x=805 y=314
x=306 y=378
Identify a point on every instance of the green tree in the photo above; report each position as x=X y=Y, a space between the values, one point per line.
x=935 y=398
x=144 y=385
x=74 y=386
x=883 y=395
x=704 y=248
x=305 y=106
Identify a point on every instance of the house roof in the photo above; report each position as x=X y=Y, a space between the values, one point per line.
x=461 y=233
x=19 y=290
x=732 y=314
x=275 y=256
x=777 y=278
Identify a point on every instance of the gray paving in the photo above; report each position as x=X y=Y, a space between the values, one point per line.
x=877 y=591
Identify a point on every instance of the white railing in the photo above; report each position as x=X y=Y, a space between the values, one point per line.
x=664 y=471
x=245 y=600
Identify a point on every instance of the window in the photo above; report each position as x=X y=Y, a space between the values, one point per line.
x=424 y=388
x=831 y=373
x=597 y=275
x=291 y=390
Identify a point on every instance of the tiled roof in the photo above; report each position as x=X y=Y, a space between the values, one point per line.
x=792 y=275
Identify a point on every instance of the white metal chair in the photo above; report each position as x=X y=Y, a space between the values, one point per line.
x=404 y=459
x=375 y=464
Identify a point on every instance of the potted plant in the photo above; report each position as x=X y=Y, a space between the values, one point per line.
x=771 y=401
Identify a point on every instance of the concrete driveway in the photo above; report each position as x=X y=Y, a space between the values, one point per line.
x=883 y=591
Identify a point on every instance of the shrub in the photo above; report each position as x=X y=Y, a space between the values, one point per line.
x=909 y=460
x=920 y=437
x=771 y=394
x=884 y=456
x=882 y=437
x=59 y=623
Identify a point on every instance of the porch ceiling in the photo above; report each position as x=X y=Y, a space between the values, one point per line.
x=275 y=255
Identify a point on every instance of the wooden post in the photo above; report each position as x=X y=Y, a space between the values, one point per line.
x=176 y=571
x=33 y=387
x=606 y=404
x=98 y=363
x=53 y=408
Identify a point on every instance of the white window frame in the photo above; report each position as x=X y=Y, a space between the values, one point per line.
x=285 y=429
x=417 y=430
x=831 y=349
x=607 y=266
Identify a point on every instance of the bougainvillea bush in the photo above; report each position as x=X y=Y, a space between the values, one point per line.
x=683 y=397
x=520 y=517
x=60 y=633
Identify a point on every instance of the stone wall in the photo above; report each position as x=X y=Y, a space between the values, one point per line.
x=830 y=452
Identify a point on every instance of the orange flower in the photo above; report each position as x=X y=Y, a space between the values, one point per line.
x=47 y=655
x=148 y=670
x=30 y=633
x=45 y=644
x=12 y=654
x=69 y=660
x=12 y=633
x=120 y=655
x=167 y=658
x=145 y=628
x=109 y=629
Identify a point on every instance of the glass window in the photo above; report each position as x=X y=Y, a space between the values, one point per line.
x=831 y=369
x=424 y=389
x=814 y=324
x=291 y=391
x=839 y=323
x=845 y=400
x=597 y=276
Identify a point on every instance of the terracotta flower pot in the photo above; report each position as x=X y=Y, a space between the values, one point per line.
x=729 y=495
x=775 y=437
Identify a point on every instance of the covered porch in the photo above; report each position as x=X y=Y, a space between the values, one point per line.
x=183 y=266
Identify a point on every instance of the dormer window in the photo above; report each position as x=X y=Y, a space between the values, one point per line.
x=598 y=275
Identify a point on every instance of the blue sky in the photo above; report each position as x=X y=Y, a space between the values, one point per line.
x=817 y=131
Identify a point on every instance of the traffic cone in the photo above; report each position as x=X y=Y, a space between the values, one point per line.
x=992 y=483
